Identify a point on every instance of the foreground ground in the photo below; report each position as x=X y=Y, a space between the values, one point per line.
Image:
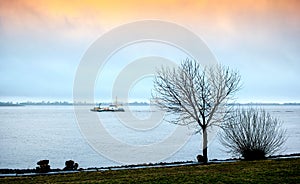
x=267 y=171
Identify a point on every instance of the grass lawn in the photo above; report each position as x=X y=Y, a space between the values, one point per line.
x=266 y=171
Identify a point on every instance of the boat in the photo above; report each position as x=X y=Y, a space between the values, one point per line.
x=111 y=108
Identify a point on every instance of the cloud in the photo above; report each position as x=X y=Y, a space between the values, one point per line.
x=43 y=41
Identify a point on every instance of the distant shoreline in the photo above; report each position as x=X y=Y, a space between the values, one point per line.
x=6 y=104
x=265 y=104
x=64 y=103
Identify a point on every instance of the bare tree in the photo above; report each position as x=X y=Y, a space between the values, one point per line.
x=196 y=95
x=253 y=134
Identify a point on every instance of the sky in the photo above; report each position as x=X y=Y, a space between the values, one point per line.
x=43 y=42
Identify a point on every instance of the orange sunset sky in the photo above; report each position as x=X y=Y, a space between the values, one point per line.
x=45 y=39
x=83 y=17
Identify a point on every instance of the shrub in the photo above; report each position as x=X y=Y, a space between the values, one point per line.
x=253 y=134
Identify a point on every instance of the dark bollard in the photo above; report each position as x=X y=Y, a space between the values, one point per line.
x=44 y=166
x=76 y=166
x=200 y=158
x=70 y=165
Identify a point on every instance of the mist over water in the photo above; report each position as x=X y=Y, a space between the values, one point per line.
x=31 y=133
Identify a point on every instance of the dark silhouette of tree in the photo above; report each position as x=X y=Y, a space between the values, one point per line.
x=196 y=95
x=253 y=134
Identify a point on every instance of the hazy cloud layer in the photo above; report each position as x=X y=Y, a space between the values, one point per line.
x=42 y=42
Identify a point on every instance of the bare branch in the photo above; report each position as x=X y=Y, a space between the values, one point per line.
x=253 y=134
x=195 y=93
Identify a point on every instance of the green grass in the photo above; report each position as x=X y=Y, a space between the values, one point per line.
x=266 y=171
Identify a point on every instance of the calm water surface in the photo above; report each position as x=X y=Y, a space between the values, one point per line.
x=32 y=133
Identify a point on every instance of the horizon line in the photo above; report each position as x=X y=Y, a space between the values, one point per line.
x=65 y=102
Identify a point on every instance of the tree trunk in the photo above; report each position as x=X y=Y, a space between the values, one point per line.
x=204 y=145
